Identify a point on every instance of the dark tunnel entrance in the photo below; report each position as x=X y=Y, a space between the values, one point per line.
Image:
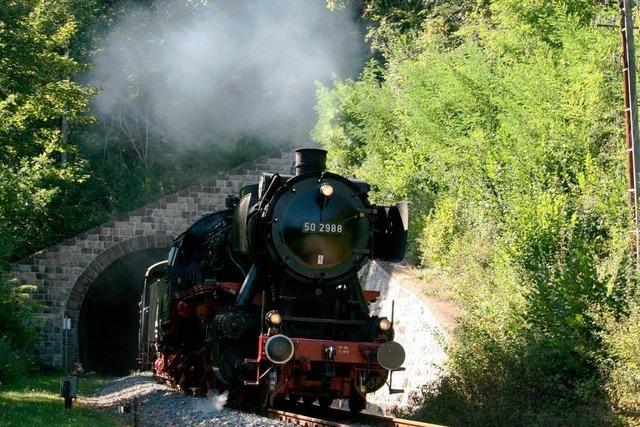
x=108 y=324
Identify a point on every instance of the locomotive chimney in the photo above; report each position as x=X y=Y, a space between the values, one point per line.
x=310 y=160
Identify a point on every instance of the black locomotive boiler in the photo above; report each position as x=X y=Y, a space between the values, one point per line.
x=264 y=296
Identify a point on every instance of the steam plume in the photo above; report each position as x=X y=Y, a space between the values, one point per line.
x=210 y=72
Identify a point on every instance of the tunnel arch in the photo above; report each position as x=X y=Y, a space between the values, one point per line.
x=110 y=314
x=86 y=280
x=65 y=271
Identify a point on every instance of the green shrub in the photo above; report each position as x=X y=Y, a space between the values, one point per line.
x=508 y=145
x=623 y=385
x=18 y=354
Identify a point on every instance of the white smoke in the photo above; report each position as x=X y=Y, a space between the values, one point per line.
x=214 y=402
x=212 y=71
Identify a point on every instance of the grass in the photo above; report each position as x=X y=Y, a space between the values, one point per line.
x=35 y=401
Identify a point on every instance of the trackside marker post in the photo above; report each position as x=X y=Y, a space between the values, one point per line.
x=68 y=383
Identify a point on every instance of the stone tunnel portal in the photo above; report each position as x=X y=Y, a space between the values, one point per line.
x=108 y=323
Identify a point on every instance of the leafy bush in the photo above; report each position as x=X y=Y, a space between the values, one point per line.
x=18 y=354
x=508 y=145
x=38 y=104
x=624 y=373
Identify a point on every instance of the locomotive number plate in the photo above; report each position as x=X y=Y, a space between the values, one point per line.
x=322 y=227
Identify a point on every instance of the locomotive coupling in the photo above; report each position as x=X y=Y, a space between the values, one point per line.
x=330 y=352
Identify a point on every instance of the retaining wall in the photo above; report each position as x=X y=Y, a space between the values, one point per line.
x=420 y=327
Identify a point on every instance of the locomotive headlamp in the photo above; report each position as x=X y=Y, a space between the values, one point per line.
x=384 y=324
x=273 y=318
x=326 y=189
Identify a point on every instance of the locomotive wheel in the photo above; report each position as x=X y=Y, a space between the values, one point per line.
x=264 y=396
x=325 y=402
x=248 y=395
x=357 y=402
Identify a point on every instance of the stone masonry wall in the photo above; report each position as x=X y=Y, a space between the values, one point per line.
x=419 y=328
x=65 y=272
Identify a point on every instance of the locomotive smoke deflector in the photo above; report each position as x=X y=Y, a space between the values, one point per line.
x=390 y=237
x=310 y=160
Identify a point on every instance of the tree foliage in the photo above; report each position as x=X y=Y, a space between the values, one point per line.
x=505 y=135
x=64 y=168
x=17 y=339
x=39 y=102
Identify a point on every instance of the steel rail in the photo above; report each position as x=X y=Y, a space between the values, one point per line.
x=340 y=418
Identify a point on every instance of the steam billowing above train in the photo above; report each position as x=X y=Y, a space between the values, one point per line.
x=198 y=73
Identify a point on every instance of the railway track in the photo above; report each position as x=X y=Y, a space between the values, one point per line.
x=159 y=402
x=316 y=417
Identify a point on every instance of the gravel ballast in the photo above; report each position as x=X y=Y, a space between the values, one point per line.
x=160 y=405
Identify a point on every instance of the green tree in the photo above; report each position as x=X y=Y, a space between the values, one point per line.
x=39 y=103
x=505 y=135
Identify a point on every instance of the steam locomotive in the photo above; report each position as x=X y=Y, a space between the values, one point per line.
x=263 y=298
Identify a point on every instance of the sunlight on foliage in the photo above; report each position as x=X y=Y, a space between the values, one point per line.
x=36 y=399
x=505 y=135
